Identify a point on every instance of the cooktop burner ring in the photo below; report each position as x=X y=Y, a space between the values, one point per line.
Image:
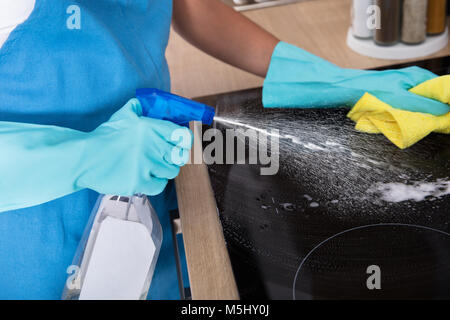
x=296 y=277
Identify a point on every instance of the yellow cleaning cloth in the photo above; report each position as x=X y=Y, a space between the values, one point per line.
x=403 y=128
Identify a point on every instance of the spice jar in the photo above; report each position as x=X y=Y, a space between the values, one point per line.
x=437 y=17
x=360 y=17
x=414 y=22
x=390 y=16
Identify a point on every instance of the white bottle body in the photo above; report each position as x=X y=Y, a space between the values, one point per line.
x=117 y=254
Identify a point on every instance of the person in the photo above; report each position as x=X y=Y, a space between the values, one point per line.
x=68 y=129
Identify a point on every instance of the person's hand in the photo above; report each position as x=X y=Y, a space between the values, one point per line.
x=403 y=128
x=298 y=79
x=132 y=154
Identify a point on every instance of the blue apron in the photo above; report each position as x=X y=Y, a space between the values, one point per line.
x=55 y=74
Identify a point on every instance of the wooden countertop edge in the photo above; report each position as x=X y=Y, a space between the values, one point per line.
x=209 y=267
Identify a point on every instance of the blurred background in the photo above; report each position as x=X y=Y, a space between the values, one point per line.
x=412 y=30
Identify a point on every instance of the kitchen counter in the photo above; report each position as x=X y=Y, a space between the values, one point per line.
x=319 y=26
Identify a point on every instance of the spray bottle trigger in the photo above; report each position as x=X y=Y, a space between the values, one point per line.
x=162 y=105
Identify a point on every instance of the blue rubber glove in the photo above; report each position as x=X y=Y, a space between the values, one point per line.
x=299 y=79
x=128 y=154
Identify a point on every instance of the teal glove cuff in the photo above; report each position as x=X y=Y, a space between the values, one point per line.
x=299 y=79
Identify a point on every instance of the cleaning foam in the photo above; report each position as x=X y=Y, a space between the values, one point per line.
x=416 y=191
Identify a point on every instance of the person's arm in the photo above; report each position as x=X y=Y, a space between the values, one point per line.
x=126 y=155
x=296 y=78
x=218 y=30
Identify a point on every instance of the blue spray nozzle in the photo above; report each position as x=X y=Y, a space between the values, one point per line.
x=162 y=105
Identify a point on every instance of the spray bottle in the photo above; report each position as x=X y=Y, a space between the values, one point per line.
x=117 y=254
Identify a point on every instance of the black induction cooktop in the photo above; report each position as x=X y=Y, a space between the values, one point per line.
x=331 y=224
